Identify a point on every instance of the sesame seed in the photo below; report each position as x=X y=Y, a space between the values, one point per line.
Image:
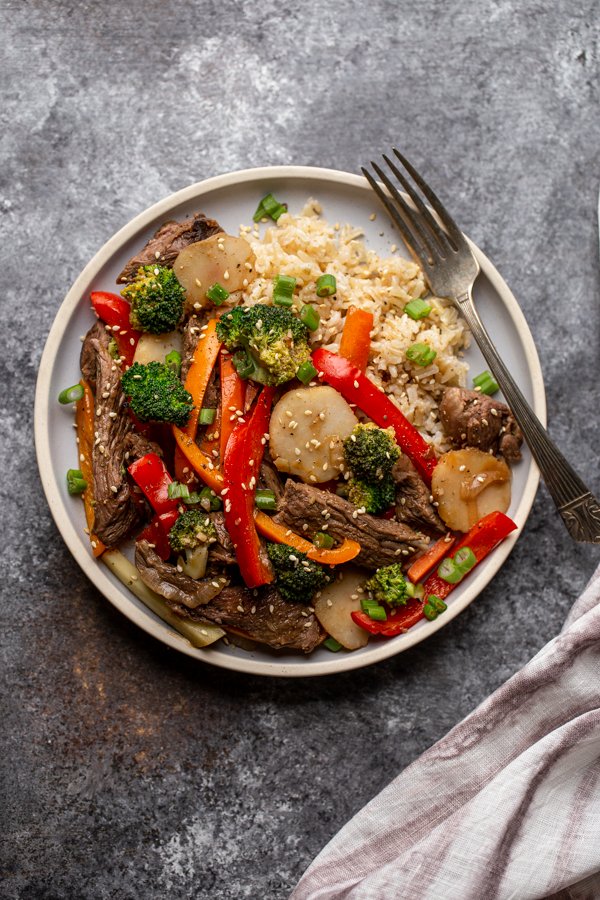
x=460 y=469
x=372 y=217
x=240 y=609
x=253 y=610
x=355 y=383
x=271 y=608
x=308 y=412
x=226 y=275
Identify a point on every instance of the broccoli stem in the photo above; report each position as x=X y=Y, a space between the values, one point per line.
x=198 y=634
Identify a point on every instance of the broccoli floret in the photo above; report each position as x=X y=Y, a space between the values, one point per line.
x=271 y=342
x=388 y=585
x=156 y=394
x=372 y=496
x=371 y=452
x=157 y=299
x=192 y=529
x=298 y=577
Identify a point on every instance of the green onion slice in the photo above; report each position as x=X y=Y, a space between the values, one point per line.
x=430 y=612
x=437 y=603
x=269 y=207
x=207 y=416
x=306 y=372
x=76 y=483
x=421 y=354
x=323 y=541
x=465 y=559
x=283 y=290
x=485 y=383
x=449 y=571
x=373 y=609
x=173 y=361
x=414 y=590
x=178 y=491
x=310 y=317
x=332 y=644
x=417 y=309
x=217 y=293
x=207 y=498
x=265 y=500
x=71 y=394
x=326 y=285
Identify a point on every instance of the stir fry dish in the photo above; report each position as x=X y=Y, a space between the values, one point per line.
x=279 y=424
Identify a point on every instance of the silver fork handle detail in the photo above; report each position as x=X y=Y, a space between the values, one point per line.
x=579 y=509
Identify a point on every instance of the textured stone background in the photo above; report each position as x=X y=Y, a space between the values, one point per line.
x=130 y=771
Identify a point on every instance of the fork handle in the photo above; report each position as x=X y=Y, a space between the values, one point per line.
x=577 y=506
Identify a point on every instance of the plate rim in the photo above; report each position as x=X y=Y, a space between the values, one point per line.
x=99 y=576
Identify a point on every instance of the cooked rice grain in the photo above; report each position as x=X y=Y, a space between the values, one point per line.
x=305 y=246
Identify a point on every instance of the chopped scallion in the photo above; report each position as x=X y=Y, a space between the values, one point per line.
x=326 y=285
x=178 y=491
x=430 y=612
x=269 y=207
x=265 y=500
x=465 y=559
x=208 y=499
x=306 y=372
x=207 y=416
x=485 y=383
x=173 y=361
x=437 y=603
x=417 y=309
x=310 y=317
x=449 y=571
x=76 y=483
x=420 y=354
x=323 y=541
x=331 y=644
x=283 y=290
x=414 y=590
x=71 y=394
x=373 y=609
x=217 y=293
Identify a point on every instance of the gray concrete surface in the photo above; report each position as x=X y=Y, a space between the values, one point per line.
x=129 y=771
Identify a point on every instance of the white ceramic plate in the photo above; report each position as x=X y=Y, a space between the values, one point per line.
x=232 y=199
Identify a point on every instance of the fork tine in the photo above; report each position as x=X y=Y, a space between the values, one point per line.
x=411 y=219
x=445 y=242
x=421 y=254
x=447 y=221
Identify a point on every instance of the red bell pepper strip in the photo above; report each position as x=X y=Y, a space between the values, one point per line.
x=241 y=465
x=150 y=473
x=114 y=311
x=397 y=623
x=356 y=388
x=233 y=393
x=157 y=533
x=481 y=539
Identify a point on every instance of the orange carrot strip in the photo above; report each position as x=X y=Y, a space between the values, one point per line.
x=202 y=464
x=356 y=337
x=198 y=376
x=233 y=393
x=281 y=535
x=424 y=564
x=84 y=419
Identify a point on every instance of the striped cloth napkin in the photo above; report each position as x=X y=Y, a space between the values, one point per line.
x=507 y=805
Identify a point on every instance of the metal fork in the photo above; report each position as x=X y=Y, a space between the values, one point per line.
x=451 y=269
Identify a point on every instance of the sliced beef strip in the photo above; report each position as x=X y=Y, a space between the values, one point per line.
x=382 y=541
x=191 y=335
x=413 y=499
x=270 y=478
x=136 y=446
x=275 y=621
x=175 y=586
x=115 y=512
x=472 y=419
x=87 y=359
x=221 y=551
x=168 y=241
